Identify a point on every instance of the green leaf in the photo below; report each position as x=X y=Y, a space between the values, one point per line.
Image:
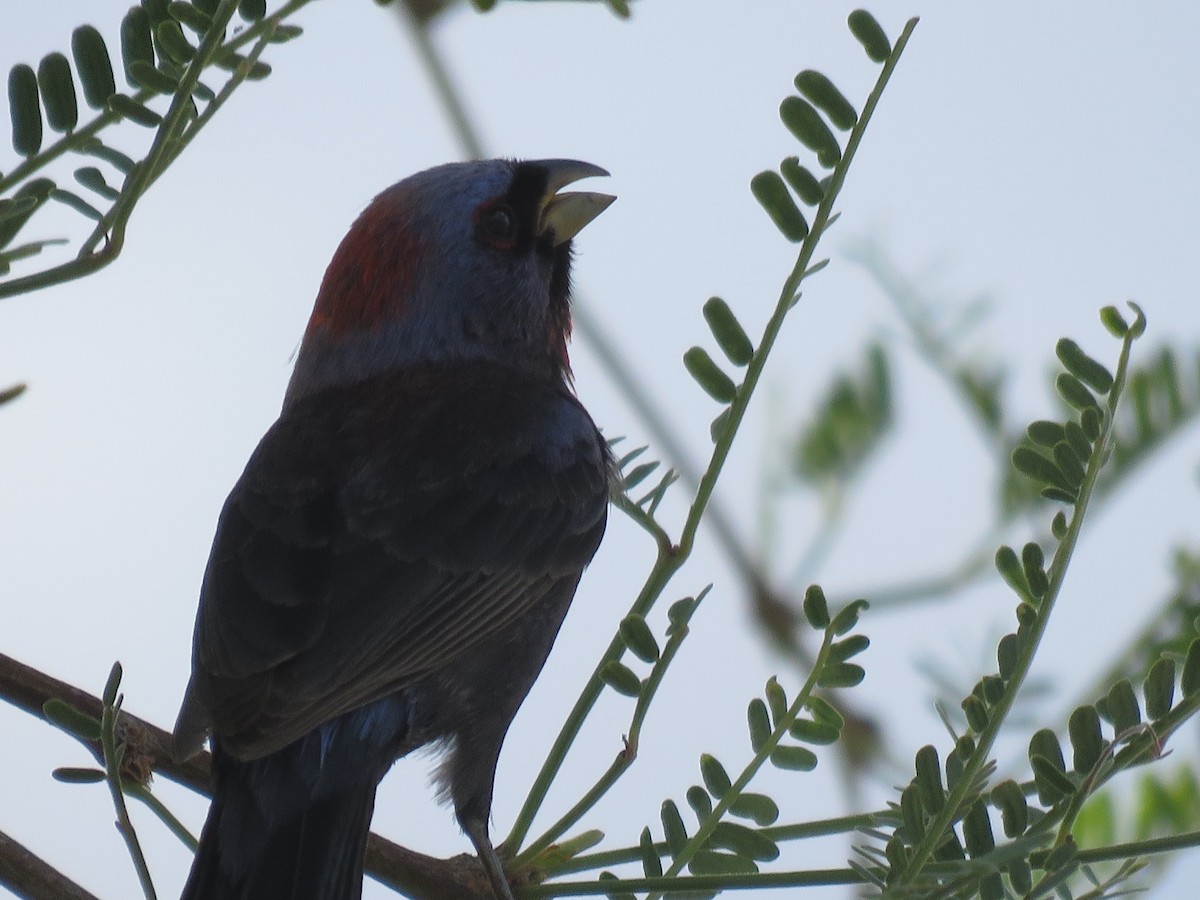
x=256 y=70
x=1074 y=391
x=1159 y=688
x=803 y=121
x=1011 y=570
x=1046 y=433
x=1033 y=562
x=605 y=876
x=94 y=65
x=1021 y=875
x=679 y=612
x=173 y=44
x=1138 y=328
x=794 y=759
x=993 y=688
x=1058 y=526
x=651 y=864
x=929 y=778
x=620 y=678
x=15 y=211
x=731 y=337
x=58 y=92
x=759 y=723
x=1031 y=463
x=811 y=732
x=710 y=862
x=71 y=720
x=156 y=10
x=93 y=179
x=977 y=830
x=1069 y=464
x=823 y=94
x=639 y=639
x=1078 y=440
x=128 y=108
x=744 y=841
x=716 y=779
x=802 y=181
x=849 y=423
x=1190 y=681
x=252 y=10
x=700 y=802
x=850 y=647
x=976 y=712
x=991 y=887
x=1059 y=495
x=1123 y=708
x=869 y=33
x=776 y=699
x=637 y=475
x=1094 y=374
x=284 y=33
x=1052 y=783
x=772 y=194
x=1062 y=856
x=112 y=685
x=1008 y=797
x=673 y=829
x=896 y=854
x=136 y=43
x=1008 y=655
x=24 y=109
x=147 y=76
x=824 y=711
x=912 y=812
x=1086 y=740
x=709 y=376
x=759 y=808
x=77 y=203
x=1089 y=423
x=70 y=775
x=1112 y=319
x=1049 y=768
x=816 y=609
x=847 y=617
x=198 y=20
x=114 y=158
x=12 y=392
x=718 y=426
x=841 y=675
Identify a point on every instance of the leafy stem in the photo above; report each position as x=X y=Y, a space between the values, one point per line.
x=114 y=754
x=671 y=559
x=958 y=795
x=177 y=129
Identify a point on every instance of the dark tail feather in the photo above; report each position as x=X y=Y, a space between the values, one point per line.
x=293 y=825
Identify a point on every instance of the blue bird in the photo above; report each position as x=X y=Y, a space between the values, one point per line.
x=392 y=567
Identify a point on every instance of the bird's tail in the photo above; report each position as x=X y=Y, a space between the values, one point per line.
x=292 y=825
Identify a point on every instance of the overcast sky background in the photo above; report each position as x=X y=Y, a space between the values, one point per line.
x=1043 y=154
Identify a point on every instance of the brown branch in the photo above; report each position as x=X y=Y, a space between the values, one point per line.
x=148 y=751
x=31 y=877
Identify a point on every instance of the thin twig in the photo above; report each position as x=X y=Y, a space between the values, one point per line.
x=31 y=877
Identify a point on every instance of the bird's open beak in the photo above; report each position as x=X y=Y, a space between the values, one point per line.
x=564 y=215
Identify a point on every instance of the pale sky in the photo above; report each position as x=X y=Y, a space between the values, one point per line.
x=1041 y=154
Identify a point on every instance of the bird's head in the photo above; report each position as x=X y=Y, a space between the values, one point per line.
x=466 y=261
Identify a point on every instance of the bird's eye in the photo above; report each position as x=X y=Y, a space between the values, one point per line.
x=498 y=225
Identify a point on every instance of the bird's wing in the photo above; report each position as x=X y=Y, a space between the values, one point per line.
x=377 y=533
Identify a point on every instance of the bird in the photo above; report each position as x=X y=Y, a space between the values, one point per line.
x=394 y=563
